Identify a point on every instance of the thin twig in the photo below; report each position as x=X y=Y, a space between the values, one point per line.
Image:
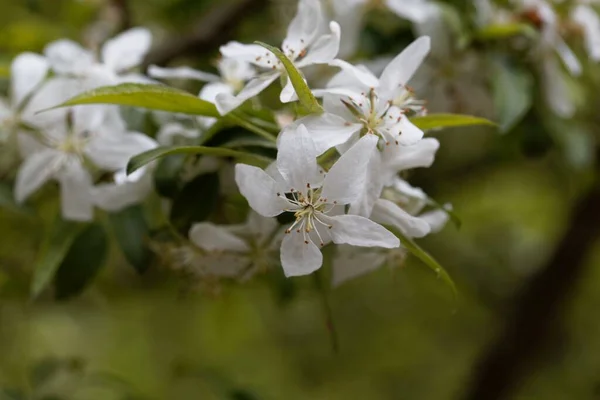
x=538 y=308
x=212 y=30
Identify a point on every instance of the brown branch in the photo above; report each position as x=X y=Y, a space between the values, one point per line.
x=538 y=308
x=213 y=29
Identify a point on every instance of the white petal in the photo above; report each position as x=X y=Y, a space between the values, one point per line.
x=36 y=170
x=567 y=56
x=409 y=132
x=68 y=57
x=27 y=71
x=590 y=23
x=351 y=262
x=297 y=257
x=345 y=180
x=260 y=226
x=288 y=93
x=250 y=53
x=297 y=160
x=436 y=219
x=210 y=91
x=304 y=27
x=352 y=72
x=261 y=190
x=226 y=102
x=127 y=50
x=413 y=10
x=171 y=130
x=112 y=152
x=232 y=70
x=402 y=67
x=75 y=193
x=211 y=237
x=53 y=92
x=324 y=49
x=327 y=130
x=388 y=213
x=126 y=191
x=372 y=188
x=360 y=231
x=556 y=88
x=157 y=72
x=420 y=154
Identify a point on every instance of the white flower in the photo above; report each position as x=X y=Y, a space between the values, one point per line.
x=234 y=74
x=587 y=18
x=349 y=14
x=96 y=135
x=350 y=262
x=415 y=11
x=295 y=184
x=27 y=73
x=237 y=250
x=304 y=45
x=117 y=57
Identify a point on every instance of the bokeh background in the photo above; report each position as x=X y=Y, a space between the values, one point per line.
x=400 y=333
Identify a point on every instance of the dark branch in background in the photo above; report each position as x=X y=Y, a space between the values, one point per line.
x=538 y=308
x=212 y=30
x=123 y=12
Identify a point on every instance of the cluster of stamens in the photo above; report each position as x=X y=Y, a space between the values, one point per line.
x=307 y=211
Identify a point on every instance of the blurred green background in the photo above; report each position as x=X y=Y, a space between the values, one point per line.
x=401 y=335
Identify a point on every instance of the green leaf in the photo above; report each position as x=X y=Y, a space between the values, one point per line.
x=144 y=158
x=44 y=370
x=11 y=394
x=4 y=71
x=439 y=121
x=7 y=200
x=82 y=263
x=167 y=175
x=504 y=31
x=512 y=94
x=307 y=99
x=427 y=259
x=195 y=202
x=153 y=97
x=56 y=244
x=131 y=230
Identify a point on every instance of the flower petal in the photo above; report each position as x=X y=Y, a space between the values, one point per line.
x=304 y=28
x=36 y=170
x=388 y=213
x=351 y=73
x=75 y=192
x=127 y=50
x=261 y=190
x=403 y=67
x=372 y=188
x=360 y=231
x=324 y=49
x=211 y=237
x=154 y=71
x=590 y=23
x=351 y=262
x=298 y=257
x=250 y=53
x=567 y=56
x=226 y=102
x=327 y=130
x=420 y=154
x=123 y=193
x=436 y=219
x=345 y=180
x=415 y=11
x=27 y=71
x=288 y=93
x=297 y=160
x=68 y=57
x=112 y=152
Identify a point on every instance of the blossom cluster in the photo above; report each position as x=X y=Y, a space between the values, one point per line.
x=338 y=175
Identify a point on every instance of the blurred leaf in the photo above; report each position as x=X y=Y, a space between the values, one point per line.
x=195 y=202
x=44 y=370
x=422 y=255
x=56 y=244
x=144 y=158
x=11 y=394
x=131 y=230
x=512 y=94
x=4 y=71
x=167 y=173
x=250 y=142
x=504 y=31
x=305 y=95
x=439 y=121
x=82 y=263
x=449 y=211
x=154 y=97
x=242 y=395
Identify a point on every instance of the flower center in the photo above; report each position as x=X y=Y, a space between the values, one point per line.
x=308 y=212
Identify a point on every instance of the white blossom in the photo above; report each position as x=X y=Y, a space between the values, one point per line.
x=296 y=184
x=304 y=45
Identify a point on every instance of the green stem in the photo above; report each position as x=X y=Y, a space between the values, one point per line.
x=327 y=311
x=240 y=121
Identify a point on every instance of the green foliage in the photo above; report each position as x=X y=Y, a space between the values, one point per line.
x=441 y=121
x=195 y=202
x=132 y=232
x=512 y=94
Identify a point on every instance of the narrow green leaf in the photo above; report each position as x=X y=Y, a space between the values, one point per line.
x=427 y=259
x=195 y=202
x=440 y=121
x=131 y=230
x=249 y=142
x=504 y=31
x=167 y=175
x=512 y=94
x=82 y=263
x=144 y=158
x=307 y=99
x=56 y=244
x=154 y=97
